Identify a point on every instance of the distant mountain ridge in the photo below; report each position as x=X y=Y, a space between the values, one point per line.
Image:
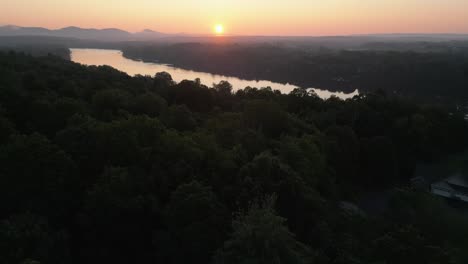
x=118 y=35
x=107 y=34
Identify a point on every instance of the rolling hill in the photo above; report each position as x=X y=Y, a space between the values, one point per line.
x=108 y=34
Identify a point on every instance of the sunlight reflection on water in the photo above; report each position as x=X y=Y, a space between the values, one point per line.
x=115 y=59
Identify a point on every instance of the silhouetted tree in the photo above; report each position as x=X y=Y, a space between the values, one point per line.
x=260 y=236
x=196 y=222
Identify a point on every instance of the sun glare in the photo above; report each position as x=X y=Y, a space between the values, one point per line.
x=219 y=29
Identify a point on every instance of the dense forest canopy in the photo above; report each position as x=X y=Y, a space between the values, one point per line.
x=101 y=167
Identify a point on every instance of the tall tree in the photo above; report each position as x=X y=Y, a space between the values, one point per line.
x=260 y=237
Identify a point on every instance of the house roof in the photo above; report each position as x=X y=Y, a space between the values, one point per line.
x=458 y=180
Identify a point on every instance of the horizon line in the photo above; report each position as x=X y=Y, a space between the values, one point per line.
x=246 y=35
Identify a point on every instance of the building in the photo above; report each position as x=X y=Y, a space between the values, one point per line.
x=453 y=187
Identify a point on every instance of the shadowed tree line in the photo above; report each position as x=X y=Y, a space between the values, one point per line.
x=435 y=72
x=36 y=46
x=101 y=167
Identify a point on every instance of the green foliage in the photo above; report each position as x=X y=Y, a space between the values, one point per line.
x=196 y=223
x=28 y=238
x=36 y=175
x=223 y=87
x=163 y=79
x=266 y=117
x=304 y=156
x=195 y=96
x=101 y=167
x=149 y=104
x=118 y=210
x=179 y=117
x=6 y=129
x=108 y=102
x=260 y=236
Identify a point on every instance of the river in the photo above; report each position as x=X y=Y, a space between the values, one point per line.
x=115 y=59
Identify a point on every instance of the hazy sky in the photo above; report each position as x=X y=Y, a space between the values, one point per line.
x=249 y=17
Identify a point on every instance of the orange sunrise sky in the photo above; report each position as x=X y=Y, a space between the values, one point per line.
x=245 y=17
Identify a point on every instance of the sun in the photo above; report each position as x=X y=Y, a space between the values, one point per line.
x=219 y=29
